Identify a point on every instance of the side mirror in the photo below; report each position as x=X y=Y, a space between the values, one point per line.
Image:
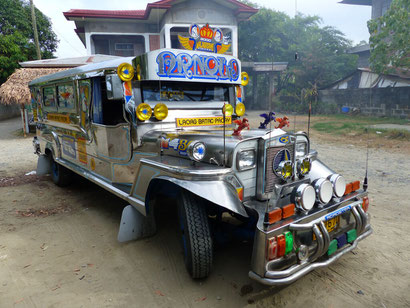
x=114 y=87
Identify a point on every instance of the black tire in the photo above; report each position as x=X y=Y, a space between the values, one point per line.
x=196 y=236
x=61 y=175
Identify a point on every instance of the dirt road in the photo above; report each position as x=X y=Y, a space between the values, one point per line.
x=58 y=246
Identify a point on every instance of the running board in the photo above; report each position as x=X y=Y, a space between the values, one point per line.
x=138 y=204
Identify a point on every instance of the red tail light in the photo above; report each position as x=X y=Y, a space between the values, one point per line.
x=281 y=245
x=272 y=248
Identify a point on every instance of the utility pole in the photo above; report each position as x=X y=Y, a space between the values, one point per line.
x=33 y=19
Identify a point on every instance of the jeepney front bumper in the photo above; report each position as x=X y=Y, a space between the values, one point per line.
x=290 y=268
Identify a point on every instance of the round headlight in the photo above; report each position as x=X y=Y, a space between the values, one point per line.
x=125 y=71
x=305 y=197
x=240 y=109
x=304 y=166
x=285 y=169
x=160 y=111
x=324 y=190
x=227 y=110
x=339 y=184
x=196 y=151
x=143 y=112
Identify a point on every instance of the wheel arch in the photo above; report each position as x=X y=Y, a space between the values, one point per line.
x=217 y=192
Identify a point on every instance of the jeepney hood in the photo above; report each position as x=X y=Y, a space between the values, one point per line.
x=175 y=142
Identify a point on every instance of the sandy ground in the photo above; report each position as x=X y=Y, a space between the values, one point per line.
x=58 y=246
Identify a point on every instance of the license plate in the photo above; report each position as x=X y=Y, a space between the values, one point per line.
x=330 y=225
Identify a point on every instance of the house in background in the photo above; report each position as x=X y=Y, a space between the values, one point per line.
x=134 y=32
x=365 y=91
x=379 y=8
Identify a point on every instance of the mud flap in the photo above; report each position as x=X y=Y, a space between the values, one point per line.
x=134 y=225
x=43 y=165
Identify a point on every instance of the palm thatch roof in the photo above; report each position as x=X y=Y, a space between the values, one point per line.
x=15 y=90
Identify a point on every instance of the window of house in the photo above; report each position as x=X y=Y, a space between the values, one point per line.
x=124 y=46
x=49 y=98
x=65 y=95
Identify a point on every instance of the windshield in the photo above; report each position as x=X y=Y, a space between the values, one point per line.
x=178 y=91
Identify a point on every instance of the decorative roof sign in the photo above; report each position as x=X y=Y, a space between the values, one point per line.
x=205 y=39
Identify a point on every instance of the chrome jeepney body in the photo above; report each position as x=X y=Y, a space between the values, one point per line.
x=91 y=122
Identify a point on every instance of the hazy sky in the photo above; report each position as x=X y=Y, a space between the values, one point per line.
x=350 y=19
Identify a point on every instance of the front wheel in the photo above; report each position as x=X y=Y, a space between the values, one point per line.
x=196 y=236
x=61 y=175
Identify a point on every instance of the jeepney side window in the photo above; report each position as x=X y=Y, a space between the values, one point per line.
x=65 y=95
x=49 y=98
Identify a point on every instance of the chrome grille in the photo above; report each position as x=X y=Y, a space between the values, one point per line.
x=270 y=177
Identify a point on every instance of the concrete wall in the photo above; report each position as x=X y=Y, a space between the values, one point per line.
x=9 y=111
x=393 y=102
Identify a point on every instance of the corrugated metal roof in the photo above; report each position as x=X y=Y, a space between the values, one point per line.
x=67 y=62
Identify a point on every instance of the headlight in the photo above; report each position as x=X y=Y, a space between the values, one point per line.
x=246 y=159
x=196 y=151
x=304 y=166
x=324 y=190
x=339 y=184
x=305 y=197
x=301 y=149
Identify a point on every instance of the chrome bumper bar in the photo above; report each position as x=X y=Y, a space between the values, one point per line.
x=296 y=271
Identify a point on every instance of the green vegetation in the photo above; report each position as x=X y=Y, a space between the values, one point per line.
x=390 y=38
x=359 y=125
x=17 y=37
x=271 y=36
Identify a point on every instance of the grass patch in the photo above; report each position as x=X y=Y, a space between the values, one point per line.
x=358 y=125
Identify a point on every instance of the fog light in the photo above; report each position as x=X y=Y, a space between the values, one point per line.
x=285 y=169
x=305 y=197
x=160 y=111
x=125 y=71
x=324 y=190
x=339 y=184
x=143 y=112
x=227 y=110
x=240 y=109
x=244 y=79
x=196 y=151
x=304 y=166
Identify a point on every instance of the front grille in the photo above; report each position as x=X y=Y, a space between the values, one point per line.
x=270 y=177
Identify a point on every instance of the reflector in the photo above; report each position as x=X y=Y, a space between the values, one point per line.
x=275 y=216
x=281 y=245
x=288 y=210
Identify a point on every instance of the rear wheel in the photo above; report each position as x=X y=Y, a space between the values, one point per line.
x=61 y=175
x=196 y=236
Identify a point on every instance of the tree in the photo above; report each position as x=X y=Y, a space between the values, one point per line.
x=17 y=37
x=271 y=36
x=390 y=38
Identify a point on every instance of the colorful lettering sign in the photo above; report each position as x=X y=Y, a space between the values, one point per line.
x=195 y=66
x=206 y=121
x=82 y=150
x=62 y=118
x=205 y=39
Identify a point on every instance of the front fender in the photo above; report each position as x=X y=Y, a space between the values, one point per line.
x=218 y=192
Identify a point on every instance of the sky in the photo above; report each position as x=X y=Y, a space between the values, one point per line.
x=350 y=19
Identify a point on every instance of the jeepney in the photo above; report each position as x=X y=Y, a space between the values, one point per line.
x=166 y=122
